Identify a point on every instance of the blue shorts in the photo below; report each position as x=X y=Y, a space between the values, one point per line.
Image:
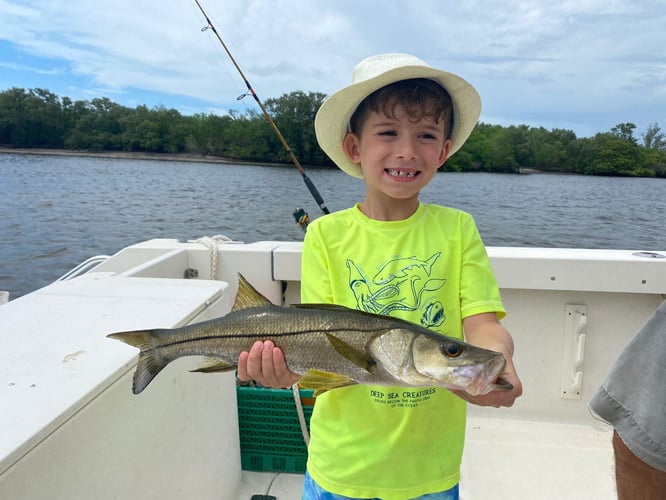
x=312 y=491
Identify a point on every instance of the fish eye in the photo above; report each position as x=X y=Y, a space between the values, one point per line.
x=451 y=350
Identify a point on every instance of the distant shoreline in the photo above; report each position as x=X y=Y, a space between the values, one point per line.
x=129 y=155
x=184 y=157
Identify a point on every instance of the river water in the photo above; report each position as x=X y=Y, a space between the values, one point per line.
x=56 y=211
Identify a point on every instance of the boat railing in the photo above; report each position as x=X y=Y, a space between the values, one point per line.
x=84 y=267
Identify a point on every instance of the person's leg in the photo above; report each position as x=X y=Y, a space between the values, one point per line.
x=635 y=479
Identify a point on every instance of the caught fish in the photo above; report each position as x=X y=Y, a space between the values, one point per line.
x=330 y=346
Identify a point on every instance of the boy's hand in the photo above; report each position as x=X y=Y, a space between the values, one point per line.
x=485 y=330
x=265 y=363
x=500 y=397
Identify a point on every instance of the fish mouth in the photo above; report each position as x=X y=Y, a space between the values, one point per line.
x=502 y=384
x=488 y=379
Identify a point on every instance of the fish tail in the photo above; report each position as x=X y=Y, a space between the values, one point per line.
x=148 y=365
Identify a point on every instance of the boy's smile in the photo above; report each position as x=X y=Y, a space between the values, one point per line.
x=399 y=155
x=401 y=173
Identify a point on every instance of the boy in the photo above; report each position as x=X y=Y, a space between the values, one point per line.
x=394 y=126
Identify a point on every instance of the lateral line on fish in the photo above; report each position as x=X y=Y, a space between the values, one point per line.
x=268 y=336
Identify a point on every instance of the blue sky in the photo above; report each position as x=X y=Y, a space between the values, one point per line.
x=583 y=65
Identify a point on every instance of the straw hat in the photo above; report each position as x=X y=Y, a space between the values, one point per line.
x=373 y=73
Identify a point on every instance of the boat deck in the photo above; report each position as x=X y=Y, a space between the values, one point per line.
x=505 y=458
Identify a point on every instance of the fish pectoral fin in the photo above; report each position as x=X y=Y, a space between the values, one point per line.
x=360 y=358
x=214 y=365
x=321 y=381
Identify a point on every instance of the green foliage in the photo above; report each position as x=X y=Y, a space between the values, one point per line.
x=36 y=118
x=552 y=150
x=624 y=131
x=654 y=138
x=249 y=138
x=97 y=126
x=614 y=154
x=31 y=118
x=294 y=116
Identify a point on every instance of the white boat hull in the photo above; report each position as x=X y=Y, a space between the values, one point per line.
x=71 y=428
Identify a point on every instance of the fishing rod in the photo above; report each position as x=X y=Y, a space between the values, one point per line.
x=300 y=215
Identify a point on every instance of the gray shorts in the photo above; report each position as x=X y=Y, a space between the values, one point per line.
x=633 y=397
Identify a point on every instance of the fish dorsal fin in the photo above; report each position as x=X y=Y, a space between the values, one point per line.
x=328 y=306
x=247 y=296
x=321 y=381
x=360 y=358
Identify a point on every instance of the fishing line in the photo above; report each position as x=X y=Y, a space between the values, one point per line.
x=250 y=91
x=222 y=60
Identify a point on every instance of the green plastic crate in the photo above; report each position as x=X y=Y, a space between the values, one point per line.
x=270 y=433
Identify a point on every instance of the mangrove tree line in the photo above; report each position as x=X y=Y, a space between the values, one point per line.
x=37 y=118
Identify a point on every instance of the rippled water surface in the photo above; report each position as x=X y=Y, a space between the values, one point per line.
x=56 y=211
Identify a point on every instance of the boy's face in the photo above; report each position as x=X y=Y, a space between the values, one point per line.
x=398 y=155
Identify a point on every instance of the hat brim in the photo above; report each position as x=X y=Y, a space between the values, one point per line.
x=332 y=119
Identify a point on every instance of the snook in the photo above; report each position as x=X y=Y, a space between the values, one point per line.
x=331 y=346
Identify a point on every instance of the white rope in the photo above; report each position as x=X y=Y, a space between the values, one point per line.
x=301 y=414
x=211 y=242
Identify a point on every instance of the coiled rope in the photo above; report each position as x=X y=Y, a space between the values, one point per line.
x=211 y=243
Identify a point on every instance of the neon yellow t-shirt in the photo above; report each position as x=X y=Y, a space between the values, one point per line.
x=431 y=269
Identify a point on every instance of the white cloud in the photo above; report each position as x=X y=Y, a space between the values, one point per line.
x=580 y=64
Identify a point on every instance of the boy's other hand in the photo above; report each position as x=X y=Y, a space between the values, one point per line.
x=499 y=397
x=485 y=330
